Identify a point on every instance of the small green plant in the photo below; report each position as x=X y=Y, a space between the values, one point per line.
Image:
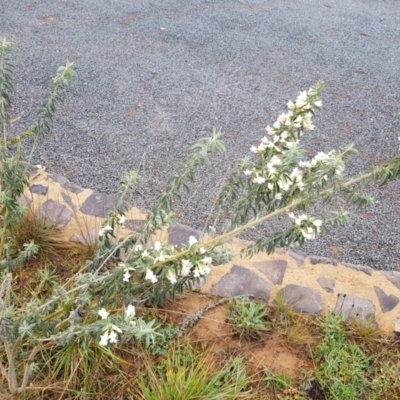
x=248 y=318
x=185 y=375
x=343 y=368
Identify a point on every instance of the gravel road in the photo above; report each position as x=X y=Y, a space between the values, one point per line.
x=155 y=76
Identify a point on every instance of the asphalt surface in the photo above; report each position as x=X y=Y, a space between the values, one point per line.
x=155 y=76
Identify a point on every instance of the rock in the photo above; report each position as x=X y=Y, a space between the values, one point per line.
x=393 y=277
x=98 y=204
x=274 y=270
x=327 y=284
x=298 y=255
x=301 y=299
x=358 y=267
x=386 y=302
x=321 y=260
x=65 y=183
x=55 y=213
x=242 y=282
x=179 y=235
x=133 y=224
x=38 y=189
x=356 y=308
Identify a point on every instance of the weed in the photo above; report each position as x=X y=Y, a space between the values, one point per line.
x=184 y=375
x=248 y=318
x=343 y=369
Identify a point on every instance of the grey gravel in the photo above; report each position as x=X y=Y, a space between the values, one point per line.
x=156 y=76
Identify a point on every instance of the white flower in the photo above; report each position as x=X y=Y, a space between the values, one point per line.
x=300 y=219
x=127 y=275
x=308 y=233
x=259 y=179
x=130 y=311
x=305 y=164
x=107 y=228
x=275 y=160
x=122 y=220
x=104 y=340
x=202 y=250
x=139 y=247
x=157 y=246
x=253 y=149
x=301 y=100
x=150 y=276
x=186 y=267
x=207 y=260
x=270 y=131
x=296 y=174
x=247 y=172
x=261 y=147
x=284 y=135
x=317 y=223
x=113 y=337
x=192 y=240
x=171 y=276
x=318 y=103
x=207 y=270
x=270 y=186
x=39 y=166
x=196 y=273
x=277 y=125
x=103 y=313
x=145 y=254
x=290 y=105
x=278 y=196
x=161 y=258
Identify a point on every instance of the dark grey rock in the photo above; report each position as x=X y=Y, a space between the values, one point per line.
x=386 y=302
x=98 y=204
x=39 y=189
x=55 y=213
x=242 y=282
x=393 y=277
x=327 y=284
x=321 y=260
x=356 y=308
x=274 y=270
x=179 y=234
x=65 y=183
x=361 y=268
x=301 y=299
x=298 y=255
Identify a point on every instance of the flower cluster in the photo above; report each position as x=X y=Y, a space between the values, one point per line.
x=111 y=331
x=275 y=170
x=160 y=261
x=308 y=227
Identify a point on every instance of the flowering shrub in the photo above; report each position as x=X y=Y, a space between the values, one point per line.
x=99 y=301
